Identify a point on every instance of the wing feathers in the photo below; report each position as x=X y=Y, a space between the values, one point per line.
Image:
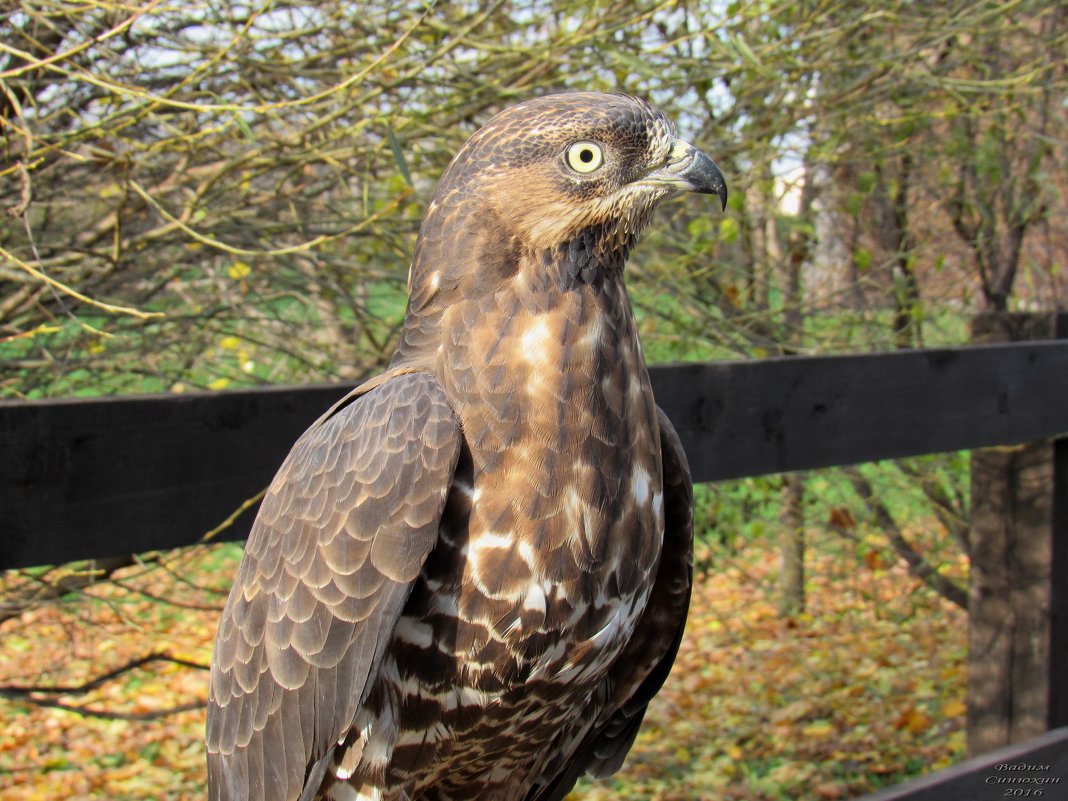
x=341 y=534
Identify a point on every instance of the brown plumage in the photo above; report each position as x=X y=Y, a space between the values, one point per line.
x=471 y=575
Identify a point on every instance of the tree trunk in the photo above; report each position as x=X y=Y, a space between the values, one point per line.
x=1009 y=602
x=792 y=546
x=792 y=518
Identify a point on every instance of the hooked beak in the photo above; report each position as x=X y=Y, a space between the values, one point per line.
x=689 y=169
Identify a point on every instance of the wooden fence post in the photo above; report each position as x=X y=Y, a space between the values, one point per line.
x=1009 y=659
x=1058 y=657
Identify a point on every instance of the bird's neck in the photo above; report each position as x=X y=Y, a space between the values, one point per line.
x=489 y=281
x=539 y=348
x=595 y=255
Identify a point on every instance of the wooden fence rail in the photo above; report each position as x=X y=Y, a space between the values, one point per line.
x=84 y=479
x=1035 y=769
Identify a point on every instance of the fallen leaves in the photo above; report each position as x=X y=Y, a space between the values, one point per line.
x=850 y=696
x=862 y=690
x=48 y=753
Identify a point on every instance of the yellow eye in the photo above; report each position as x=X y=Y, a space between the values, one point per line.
x=584 y=157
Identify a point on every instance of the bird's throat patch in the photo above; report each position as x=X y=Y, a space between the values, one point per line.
x=596 y=253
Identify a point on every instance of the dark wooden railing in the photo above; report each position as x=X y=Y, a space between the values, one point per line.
x=1035 y=769
x=95 y=478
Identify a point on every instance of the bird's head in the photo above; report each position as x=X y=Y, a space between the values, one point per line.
x=559 y=174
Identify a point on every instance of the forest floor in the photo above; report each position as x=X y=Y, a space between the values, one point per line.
x=863 y=689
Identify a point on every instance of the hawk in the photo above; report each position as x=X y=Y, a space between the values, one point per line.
x=470 y=576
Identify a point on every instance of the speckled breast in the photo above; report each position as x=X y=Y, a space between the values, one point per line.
x=547 y=551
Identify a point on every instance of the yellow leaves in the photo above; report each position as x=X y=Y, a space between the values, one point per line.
x=728 y=229
x=954 y=708
x=819 y=729
x=699 y=226
x=53 y=754
x=244 y=359
x=756 y=708
x=829 y=791
x=913 y=720
x=219 y=383
x=790 y=774
x=238 y=271
x=17 y=644
x=800 y=710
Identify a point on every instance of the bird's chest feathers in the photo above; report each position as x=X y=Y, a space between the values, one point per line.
x=562 y=508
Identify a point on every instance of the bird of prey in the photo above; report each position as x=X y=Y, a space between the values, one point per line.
x=470 y=576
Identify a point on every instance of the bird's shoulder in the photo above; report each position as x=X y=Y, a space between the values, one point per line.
x=398 y=424
x=339 y=540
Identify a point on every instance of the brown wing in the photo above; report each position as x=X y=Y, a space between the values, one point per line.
x=643 y=666
x=341 y=535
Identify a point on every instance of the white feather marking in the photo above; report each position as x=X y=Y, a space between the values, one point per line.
x=352 y=756
x=491 y=539
x=466 y=696
x=501 y=773
x=592 y=336
x=535 y=599
x=640 y=486
x=534 y=341
x=435 y=734
x=415 y=633
x=343 y=774
x=474 y=551
x=573 y=505
x=527 y=553
x=411 y=686
x=377 y=751
x=547 y=660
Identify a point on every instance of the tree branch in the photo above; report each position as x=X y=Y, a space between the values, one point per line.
x=48 y=697
x=918 y=566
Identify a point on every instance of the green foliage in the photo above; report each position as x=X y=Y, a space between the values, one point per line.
x=734 y=513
